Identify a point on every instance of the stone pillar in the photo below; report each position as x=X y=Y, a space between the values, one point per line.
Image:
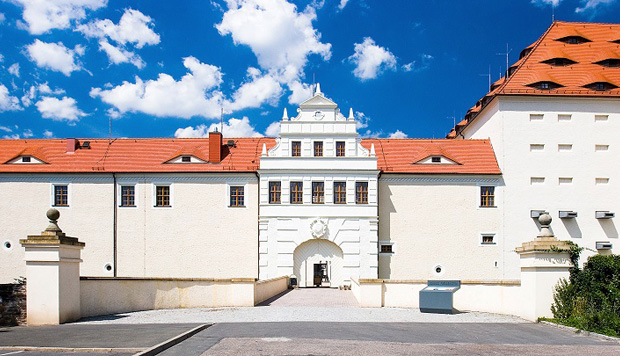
x=52 y=275
x=544 y=261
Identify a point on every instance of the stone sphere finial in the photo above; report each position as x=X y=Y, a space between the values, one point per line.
x=545 y=220
x=53 y=215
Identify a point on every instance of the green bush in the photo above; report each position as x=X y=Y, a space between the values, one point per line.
x=590 y=299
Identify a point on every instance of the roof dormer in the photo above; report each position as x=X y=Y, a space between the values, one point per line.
x=436 y=159
x=574 y=39
x=25 y=159
x=609 y=62
x=545 y=85
x=559 y=62
x=600 y=86
x=186 y=159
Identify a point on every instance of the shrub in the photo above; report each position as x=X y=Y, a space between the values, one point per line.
x=590 y=299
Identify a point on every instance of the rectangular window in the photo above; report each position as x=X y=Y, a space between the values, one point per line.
x=487 y=197
x=186 y=159
x=488 y=239
x=537 y=180
x=537 y=147
x=162 y=195
x=361 y=192
x=565 y=180
x=436 y=159
x=297 y=192
x=275 y=192
x=564 y=117
x=536 y=117
x=600 y=148
x=386 y=249
x=601 y=118
x=26 y=159
x=318 y=193
x=128 y=195
x=340 y=192
x=565 y=147
x=296 y=148
x=599 y=181
x=236 y=196
x=340 y=148
x=318 y=149
x=61 y=195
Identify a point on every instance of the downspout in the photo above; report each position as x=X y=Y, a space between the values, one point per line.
x=114 y=228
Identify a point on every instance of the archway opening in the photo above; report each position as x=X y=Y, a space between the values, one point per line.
x=318 y=263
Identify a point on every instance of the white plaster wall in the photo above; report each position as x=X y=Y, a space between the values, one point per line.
x=266 y=289
x=512 y=132
x=88 y=217
x=196 y=236
x=437 y=221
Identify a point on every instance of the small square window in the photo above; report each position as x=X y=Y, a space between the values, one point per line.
x=236 y=196
x=488 y=239
x=162 y=195
x=186 y=159
x=318 y=149
x=487 y=197
x=436 y=159
x=296 y=148
x=26 y=159
x=128 y=195
x=340 y=148
x=61 y=195
x=386 y=248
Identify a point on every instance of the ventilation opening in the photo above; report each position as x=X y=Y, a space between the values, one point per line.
x=186 y=159
x=26 y=159
x=601 y=86
x=559 y=62
x=545 y=85
x=611 y=62
x=573 y=39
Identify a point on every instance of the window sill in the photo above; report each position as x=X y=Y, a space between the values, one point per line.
x=488 y=244
x=60 y=206
x=237 y=206
x=487 y=207
x=162 y=206
x=127 y=206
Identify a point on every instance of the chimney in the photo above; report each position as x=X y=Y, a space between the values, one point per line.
x=215 y=147
x=72 y=144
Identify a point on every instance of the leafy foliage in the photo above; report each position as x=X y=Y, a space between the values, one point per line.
x=590 y=299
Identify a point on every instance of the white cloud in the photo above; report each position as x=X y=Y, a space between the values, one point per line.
x=8 y=102
x=44 y=88
x=27 y=133
x=371 y=60
x=2 y=17
x=258 y=90
x=14 y=69
x=281 y=37
x=11 y=137
x=64 y=109
x=44 y=15
x=273 y=129
x=300 y=92
x=415 y=66
x=397 y=134
x=342 y=4
x=34 y=90
x=6 y=129
x=55 y=56
x=118 y=55
x=592 y=5
x=554 y=3
x=48 y=134
x=134 y=27
x=191 y=96
x=232 y=128
x=361 y=120
x=1 y=58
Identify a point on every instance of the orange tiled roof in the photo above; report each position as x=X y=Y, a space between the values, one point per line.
x=149 y=155
x=530 y=68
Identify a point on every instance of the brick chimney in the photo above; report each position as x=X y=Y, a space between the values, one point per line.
x=72 y=144
x=215 y=147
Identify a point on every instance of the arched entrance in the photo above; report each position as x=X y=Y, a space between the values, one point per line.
x=314 y=256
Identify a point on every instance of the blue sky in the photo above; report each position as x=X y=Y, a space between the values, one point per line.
x=166 y=68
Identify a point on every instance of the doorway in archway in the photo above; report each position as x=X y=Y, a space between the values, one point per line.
x=318 y=263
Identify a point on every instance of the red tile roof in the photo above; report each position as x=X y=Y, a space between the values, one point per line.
x=573 y=78
x=150 y=154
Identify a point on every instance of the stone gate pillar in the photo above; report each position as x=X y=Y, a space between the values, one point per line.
x=544 y=261
x=52 y=275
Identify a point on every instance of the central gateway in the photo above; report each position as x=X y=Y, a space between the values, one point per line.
x=318 y=199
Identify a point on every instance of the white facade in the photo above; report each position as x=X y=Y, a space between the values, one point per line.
x=556 y=154
x=296 y=235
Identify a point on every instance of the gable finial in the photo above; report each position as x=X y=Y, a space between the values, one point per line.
x=372 y=150
x=317 y=90
x=351 y=114
x=285 y=115
x=264 y=153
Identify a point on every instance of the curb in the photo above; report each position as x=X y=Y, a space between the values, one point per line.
x=70 y=349
x=172 y=341
x=580 y=331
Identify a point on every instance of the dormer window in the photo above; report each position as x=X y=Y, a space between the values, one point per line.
x=545 y=85
x=525 y=52
x=26 y=159
x=559 y=62
x=601 y=86
x=611 y=62
x=436 y=159
x=186 y=159
x=573 y=39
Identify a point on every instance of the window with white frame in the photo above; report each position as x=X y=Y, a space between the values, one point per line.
x=237 y=196
x=128 y=195
x=487 y=239
x=61 y=195
x=162 y=196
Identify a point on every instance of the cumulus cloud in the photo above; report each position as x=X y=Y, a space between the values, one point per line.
x=14 y=69
x=546 y=2
x=8 y=102
x=281 y=37
x=134 y=27
x=592 y=5
x=342 y=4
x=64 y=109
x=232 y=128
x=273 y=129
x=2 y=17
x=118 y=55
x=193 y=95
x=55 y=56
x=418 y=66
x=48 y=134
x=258 y=90
x=300 y=92
x=34 y=90
x=370 y=59
x=41 y=16
x=397 y=134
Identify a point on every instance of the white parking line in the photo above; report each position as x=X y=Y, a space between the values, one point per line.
x=12 y=353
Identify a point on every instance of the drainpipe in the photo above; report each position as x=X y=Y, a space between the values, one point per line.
x=114 y=233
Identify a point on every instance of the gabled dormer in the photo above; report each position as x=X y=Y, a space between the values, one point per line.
x=436 y=159
x=25 y=159
x=434 y=154
x=186 y=159
x=187 y=155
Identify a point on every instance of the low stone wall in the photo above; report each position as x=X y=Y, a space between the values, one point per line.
x=12 y=304
x=268 y=288
x=102 y=296
x=502 y=297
